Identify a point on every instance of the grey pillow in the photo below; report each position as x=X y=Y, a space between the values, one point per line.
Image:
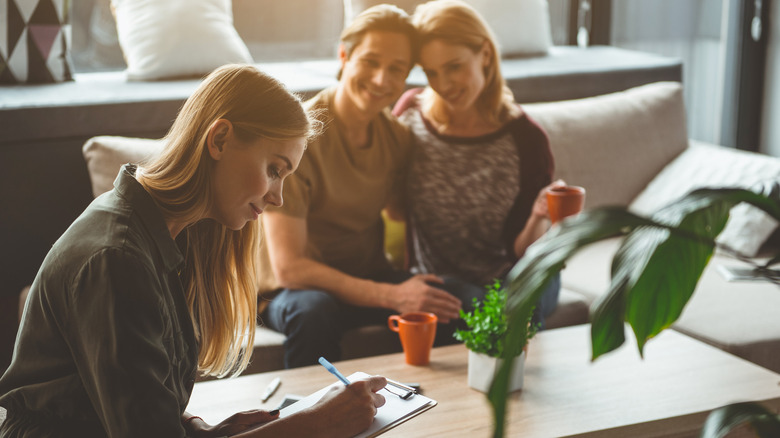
x=706 y=165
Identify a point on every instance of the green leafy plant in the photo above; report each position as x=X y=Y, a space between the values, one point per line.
x=654 y=274
x=487 y=325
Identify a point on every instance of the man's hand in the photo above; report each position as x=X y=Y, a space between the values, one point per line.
x=418 y=295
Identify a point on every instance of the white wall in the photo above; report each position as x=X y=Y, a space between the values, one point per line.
x=276 y=30
x=691 y=31
x=770 y=122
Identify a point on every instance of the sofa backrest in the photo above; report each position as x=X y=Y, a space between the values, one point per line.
x=106 y=154
x=614 y=144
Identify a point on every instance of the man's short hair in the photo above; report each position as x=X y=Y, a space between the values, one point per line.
x=384 y=17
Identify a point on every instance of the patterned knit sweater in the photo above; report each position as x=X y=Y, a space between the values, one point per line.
x=468 y=198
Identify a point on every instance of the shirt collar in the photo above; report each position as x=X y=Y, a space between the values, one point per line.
x=129 y=188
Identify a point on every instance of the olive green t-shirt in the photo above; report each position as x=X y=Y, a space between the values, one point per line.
x=341 y=191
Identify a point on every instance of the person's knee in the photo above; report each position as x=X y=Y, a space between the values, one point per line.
x=549 y=300
x=466 y=292
x=306 y=308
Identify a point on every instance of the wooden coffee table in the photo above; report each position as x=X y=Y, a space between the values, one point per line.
x=668 y=394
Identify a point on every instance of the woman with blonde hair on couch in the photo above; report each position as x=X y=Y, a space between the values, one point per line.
x=475 y=191
x=156 y=281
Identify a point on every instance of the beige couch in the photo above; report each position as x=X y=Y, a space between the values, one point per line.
x=625 y=148
x=106 y=154
x=631 y=148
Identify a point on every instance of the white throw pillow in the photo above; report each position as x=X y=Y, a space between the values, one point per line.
x=177 y=38
x=522 y=27
x=105 y=155
x=705 y=165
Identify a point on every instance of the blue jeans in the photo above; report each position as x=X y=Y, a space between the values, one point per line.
x=314 y=321
x=548 y=301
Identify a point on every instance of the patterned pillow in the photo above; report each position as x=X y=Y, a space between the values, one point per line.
x=35 y=44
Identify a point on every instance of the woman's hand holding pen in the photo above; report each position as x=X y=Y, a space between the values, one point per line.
x=349 y=410
x=343 y=411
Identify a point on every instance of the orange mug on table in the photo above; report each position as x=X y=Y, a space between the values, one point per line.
x=564 y=201
x=417 y=331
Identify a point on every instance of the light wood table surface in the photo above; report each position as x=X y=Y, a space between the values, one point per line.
x=668 y=394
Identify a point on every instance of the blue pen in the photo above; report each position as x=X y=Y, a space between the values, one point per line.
x=329 y=366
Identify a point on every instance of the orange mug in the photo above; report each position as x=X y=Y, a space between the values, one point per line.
x=417 y=331
x=564 y=201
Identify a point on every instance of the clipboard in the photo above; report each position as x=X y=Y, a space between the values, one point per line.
x=394 y=412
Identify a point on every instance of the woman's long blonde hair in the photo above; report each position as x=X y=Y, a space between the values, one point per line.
x=456 y=22
x=220 y=264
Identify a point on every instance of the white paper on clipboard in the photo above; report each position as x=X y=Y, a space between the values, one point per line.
x=394 y=412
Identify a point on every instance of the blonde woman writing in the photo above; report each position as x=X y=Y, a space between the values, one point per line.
x=156 y=281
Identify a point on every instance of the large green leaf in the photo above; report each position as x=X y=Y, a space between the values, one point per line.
x=607 y=315
x=654 y=271
x=659 y=268
x=528 y=279
x=609 y=310
x=665 y=286
x=722 y=420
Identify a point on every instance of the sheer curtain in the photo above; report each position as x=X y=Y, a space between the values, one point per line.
x=770 y=128
x=692 y=31
x=559 y=21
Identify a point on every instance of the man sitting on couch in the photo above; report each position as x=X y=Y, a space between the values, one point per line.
x=325 y=243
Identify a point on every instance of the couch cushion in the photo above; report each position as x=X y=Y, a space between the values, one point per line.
x=595 y=140
x=588 y=271
x=268 y=352
x=573 y=309
x=105 y=155
x=706 y=165
x=738 y=317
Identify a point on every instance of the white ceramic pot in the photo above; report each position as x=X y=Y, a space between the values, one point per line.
x=482 y=368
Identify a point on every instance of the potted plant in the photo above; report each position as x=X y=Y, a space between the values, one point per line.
x=672 y=248
x=486 y=340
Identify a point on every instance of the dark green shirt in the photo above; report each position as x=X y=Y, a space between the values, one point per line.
x=106 y=346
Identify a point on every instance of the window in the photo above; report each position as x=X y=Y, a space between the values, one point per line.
x=273 y=30
x=95 y=44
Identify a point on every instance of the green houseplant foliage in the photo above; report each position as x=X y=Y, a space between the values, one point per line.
x=654 y=273
x=487 y=325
